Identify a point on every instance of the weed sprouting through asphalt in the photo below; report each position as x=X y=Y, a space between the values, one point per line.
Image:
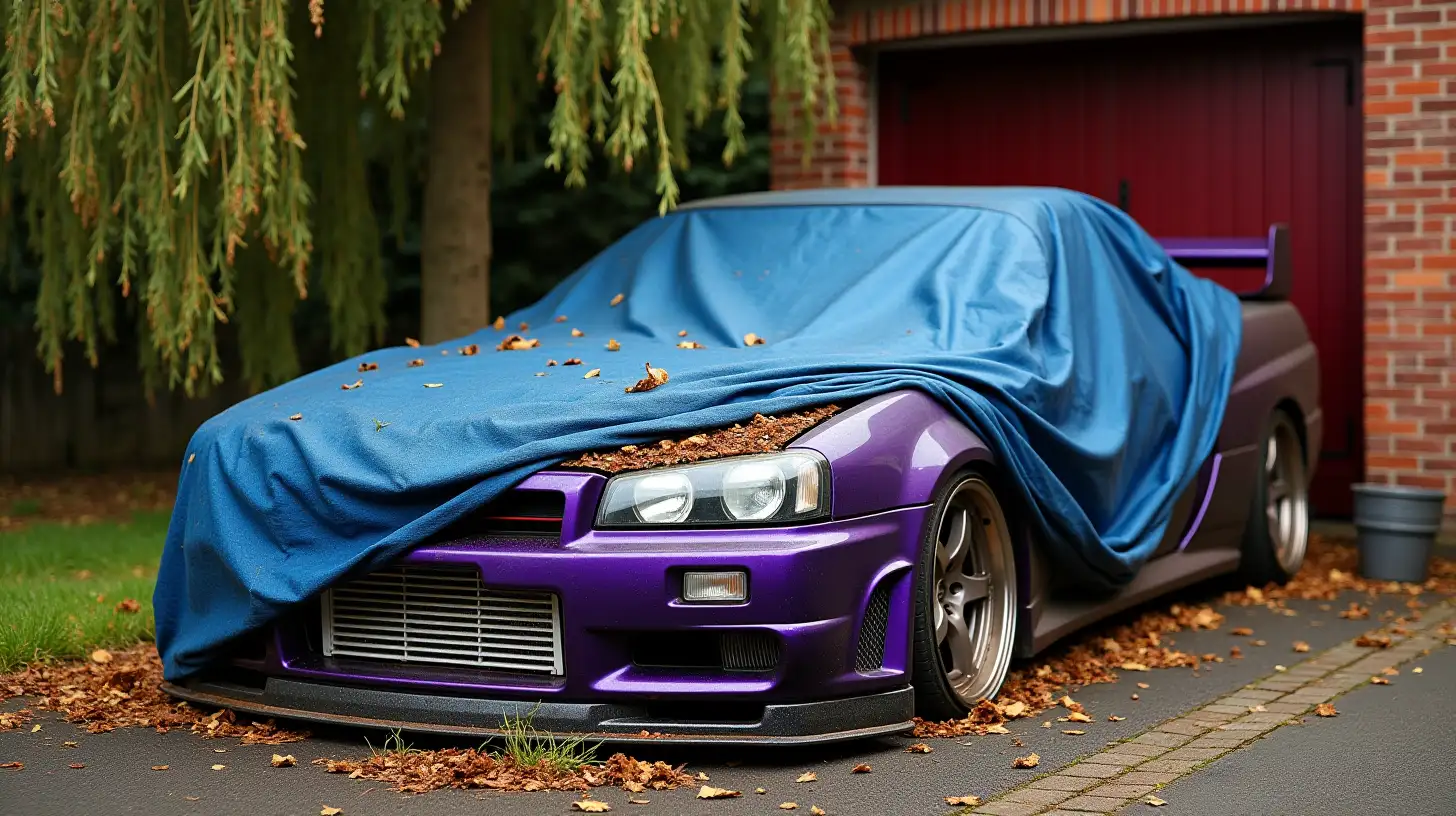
x=528 y=747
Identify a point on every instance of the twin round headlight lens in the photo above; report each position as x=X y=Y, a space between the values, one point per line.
x=770 y=488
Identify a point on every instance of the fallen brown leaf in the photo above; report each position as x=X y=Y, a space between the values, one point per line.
x=1241 y=631
x=1074 y=732
x=997 y=728
x=515 y=342
x=1143 y=686
x=411 y=342
x=1153 y=800
x=12 y=766
x=636 y=801
x=962 y=801
x=1301 y=646
x=655 y=377
x=219 y=767
x=789 y=806
x=1373 y=641
x=1325 y=710
x=128 y=606
x=760 y=791
x=101 y=657
x=618 y=299
x=1077 y=716
x=1072 y=705
x=284 y=761
x=1014 y=709
x=919 y=748
x=499 y=323
x=330 y=811
x=709 y=792
x=752 y=339
x=1134 y=666
x=701 y=776
x=1029 y=761
x=815 y=810
x=808 y=776
x=1380 y=681
x=1391 y=671
x=160 y=767
x=1236 y=653
x=76 y=766
x=590 y=806
x=860 y=768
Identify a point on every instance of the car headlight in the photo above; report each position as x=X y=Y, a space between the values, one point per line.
x=770 y=488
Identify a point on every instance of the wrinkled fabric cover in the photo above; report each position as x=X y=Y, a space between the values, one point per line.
x=1047 y=320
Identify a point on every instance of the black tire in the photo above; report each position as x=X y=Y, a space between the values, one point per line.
x=1276 y=536
x=989 y=622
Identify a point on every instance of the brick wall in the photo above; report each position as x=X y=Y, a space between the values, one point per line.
x=1410 y=185
x=1410 y=245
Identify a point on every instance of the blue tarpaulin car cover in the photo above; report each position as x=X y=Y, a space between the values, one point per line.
x=1049 y=321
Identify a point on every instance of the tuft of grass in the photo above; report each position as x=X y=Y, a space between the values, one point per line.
x=394 y=744
x=529 y=747
x=60 y=586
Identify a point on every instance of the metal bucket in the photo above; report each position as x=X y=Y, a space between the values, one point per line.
x=1397 y=528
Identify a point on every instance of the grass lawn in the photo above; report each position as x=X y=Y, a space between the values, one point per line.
x=60 y=587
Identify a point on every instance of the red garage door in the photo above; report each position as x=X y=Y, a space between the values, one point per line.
x=1194 y=134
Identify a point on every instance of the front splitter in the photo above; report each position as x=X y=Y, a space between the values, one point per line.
x=838 y=720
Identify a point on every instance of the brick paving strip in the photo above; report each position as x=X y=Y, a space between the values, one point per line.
x=1126 y=772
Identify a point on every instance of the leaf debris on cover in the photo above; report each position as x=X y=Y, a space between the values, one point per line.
x=515 y=342
x=523 y=326
x=411 y=342
x=433 y=385
x=415 y=363
x=616 y=301
x=690 y=344
x=655 y=377
x=363 y=367
x=752 y=339
x=499 y=324
x=296 y=417
x=561 y=318
x=352 y=386
x=471 y=350
x=762 y=434
x=613 y=345
x=572 y=361
x=578 y=333
x=595 y=372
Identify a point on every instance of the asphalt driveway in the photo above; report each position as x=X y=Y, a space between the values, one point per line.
x=117 y=776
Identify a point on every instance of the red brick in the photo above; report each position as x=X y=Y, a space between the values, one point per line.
x=1438 y=34
x=1417 y=87
x=1389 y=107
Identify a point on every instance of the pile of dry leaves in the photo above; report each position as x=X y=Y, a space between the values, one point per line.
x=761 y=434
x=1332 y=567
x=120 y=689
x=1032 y=689
x=414 y=771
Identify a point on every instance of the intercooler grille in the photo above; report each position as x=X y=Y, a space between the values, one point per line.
x=444 y=615
x=870 y=656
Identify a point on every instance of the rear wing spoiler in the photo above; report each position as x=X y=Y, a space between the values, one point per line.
x=1271 y=255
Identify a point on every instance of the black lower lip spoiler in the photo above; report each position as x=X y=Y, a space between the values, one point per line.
x=873 y=715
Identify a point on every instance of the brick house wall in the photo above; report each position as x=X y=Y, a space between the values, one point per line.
x=1410 y=184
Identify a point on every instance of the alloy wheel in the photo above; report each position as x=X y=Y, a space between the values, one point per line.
x=975 y=592
x=1287 y=495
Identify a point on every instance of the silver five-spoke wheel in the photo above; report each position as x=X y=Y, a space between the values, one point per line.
x=1287 y=496
x=974 y=592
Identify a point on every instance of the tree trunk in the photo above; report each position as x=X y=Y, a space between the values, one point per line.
x=456 y=241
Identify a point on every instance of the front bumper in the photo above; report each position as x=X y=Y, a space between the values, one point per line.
x=818 y=593
x=885 y=712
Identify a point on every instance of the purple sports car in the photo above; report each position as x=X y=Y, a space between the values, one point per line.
x=897 y=580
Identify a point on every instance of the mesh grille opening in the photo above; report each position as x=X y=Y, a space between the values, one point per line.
x=870 y=656
x=749 y=651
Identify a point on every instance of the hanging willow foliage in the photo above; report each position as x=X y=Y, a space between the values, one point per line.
x=195 y=162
